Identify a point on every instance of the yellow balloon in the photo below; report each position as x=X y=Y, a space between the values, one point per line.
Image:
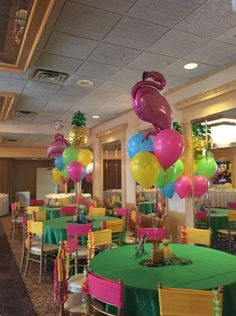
x=85 y=157
x=56 y=175
x=145 y=169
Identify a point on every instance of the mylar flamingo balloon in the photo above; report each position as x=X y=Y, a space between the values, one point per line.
x=57 y=147
x=149 y=104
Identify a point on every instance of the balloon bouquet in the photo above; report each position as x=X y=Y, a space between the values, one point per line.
x=155 y=156
x=71 y=159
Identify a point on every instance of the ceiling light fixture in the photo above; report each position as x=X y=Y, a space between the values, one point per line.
x=96 y=116
x=234 y=5
x=190 y=66
x=84 y=83
x=57 y=124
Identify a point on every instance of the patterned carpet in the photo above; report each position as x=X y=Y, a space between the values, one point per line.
x=17 y=297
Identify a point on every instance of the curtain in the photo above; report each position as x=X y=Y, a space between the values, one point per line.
x=6 y=177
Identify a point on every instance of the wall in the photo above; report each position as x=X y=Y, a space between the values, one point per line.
x=24 y=174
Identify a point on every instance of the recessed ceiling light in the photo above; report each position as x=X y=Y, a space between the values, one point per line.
x=84 y=83
x=190 y=66
x=96 y=116
x=33 y=158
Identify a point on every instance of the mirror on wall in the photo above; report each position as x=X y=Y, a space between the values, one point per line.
x=112 y=174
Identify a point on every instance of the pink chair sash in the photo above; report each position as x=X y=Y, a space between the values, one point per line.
x=71 y=245
x=68 y=210
x=152 y=233
x=232 y=205
x=106 y=290
x=37 y=202
x=122 y=211
x=79 y=229
x=201 y=215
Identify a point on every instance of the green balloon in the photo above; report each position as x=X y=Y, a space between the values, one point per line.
x=175 y=171
x=64 y=173
x=162 y=179
x=206 y=167
x=70 y=154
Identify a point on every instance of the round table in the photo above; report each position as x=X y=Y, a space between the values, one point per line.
x=146 y=207
x=54 y=212
x=55 y=229
x=218 y=219
x=209 y=269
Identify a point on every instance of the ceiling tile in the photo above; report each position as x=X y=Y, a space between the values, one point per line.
x=127 y=75
x=113 y=55
x=85 y=21
x=12 y=84
x=26 y=103
x=228 y=37
x=138 y=34
x=211 y=20
x=177 y=43
x=74 y=91
x=149 y=61
x=114 y=86
x=69 y=46
x=58 y=63
x=58 y=6
x=172 y=81
x=43 y=39
x=123 y=98
x=212 y=53
x=66 y=99
x=98 y=97
x=178 y=69
x=56 y=107
x=119 y=6
x=85 y=108
x=168 y=12
x=89 y=68
x=71 y=81
x=40 y=90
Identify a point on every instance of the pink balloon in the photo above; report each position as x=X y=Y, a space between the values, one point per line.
x=149 y=104
x=75 y=170
x=89 y=178
x=57 y=147
x=200 y=185
x=168 y=147
x=183 y=186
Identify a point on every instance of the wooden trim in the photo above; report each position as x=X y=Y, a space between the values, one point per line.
x=36 y=23
x=231 y=86
x=114 y=129
x=8 y=105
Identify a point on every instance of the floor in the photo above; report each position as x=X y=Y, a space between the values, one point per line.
x=35 y=298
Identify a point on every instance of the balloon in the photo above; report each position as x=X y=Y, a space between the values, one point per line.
x=206 y=167
x=75 y=171
x=168 y=147
x=183 y=186
x=59 y=163
x=70 y=154
x=85 y=156
x=169 y=190
x=176 y=170
x=56 y=175
x=57 y=147
x=64 y=173
x=137 y=144
x=89 y=178
x=83 y=175
x=144 y=169
x=149 y=104
x=162 y=179
x=200 y=185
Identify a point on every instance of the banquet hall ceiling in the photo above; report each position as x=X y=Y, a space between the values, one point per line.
x=110 y=43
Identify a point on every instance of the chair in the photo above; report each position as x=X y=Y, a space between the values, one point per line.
x=151 y=233
x=230 y=233
x=32 y=209
x=135 y=220
x=37 y=202
x=196 y=236
x=187 y=302
x=105 y=291
x=116 y=227
x=75 y=282
x=201 y=219
x=232 y=205
x=68 y=210
x=39 y=249
x=123 y=212
x=16 y=220
x=97 y=211
x=99 y=240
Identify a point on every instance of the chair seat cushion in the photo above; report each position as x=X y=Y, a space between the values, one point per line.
x=47 y=248
x=73 y=303
x=17 y=220
x=82 y=251
x=75 y=283
x=226 y=232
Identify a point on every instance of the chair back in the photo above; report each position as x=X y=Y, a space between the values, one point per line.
x=201 y=215
x=35 y=227
x=71 y=245
x=232 y=205
x=105 y=290
x=39 y=216
x=78 y=229
x=32 y=209
x=116 y=225
x=232 y=216
x=135 y=217
x=97 y=211
x=151 y=233
x=14 y=209
x=68 y=210
x=122 y=211
x=173 y=301
x=198 y=236
x=37 y=202
x=99 y=238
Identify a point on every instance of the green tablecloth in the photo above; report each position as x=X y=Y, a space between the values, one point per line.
x=209 y=269
x=55 y=229
x=218 y=220
x=146 y=207
x=54 y=212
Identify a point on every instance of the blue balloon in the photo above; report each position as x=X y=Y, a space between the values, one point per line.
x=59 y=163
x=83 y=175
x=135 y=144
x=169 y=190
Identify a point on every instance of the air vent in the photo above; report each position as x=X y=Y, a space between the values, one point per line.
x=24 y=113
x=12 y=140
x=49 y=76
